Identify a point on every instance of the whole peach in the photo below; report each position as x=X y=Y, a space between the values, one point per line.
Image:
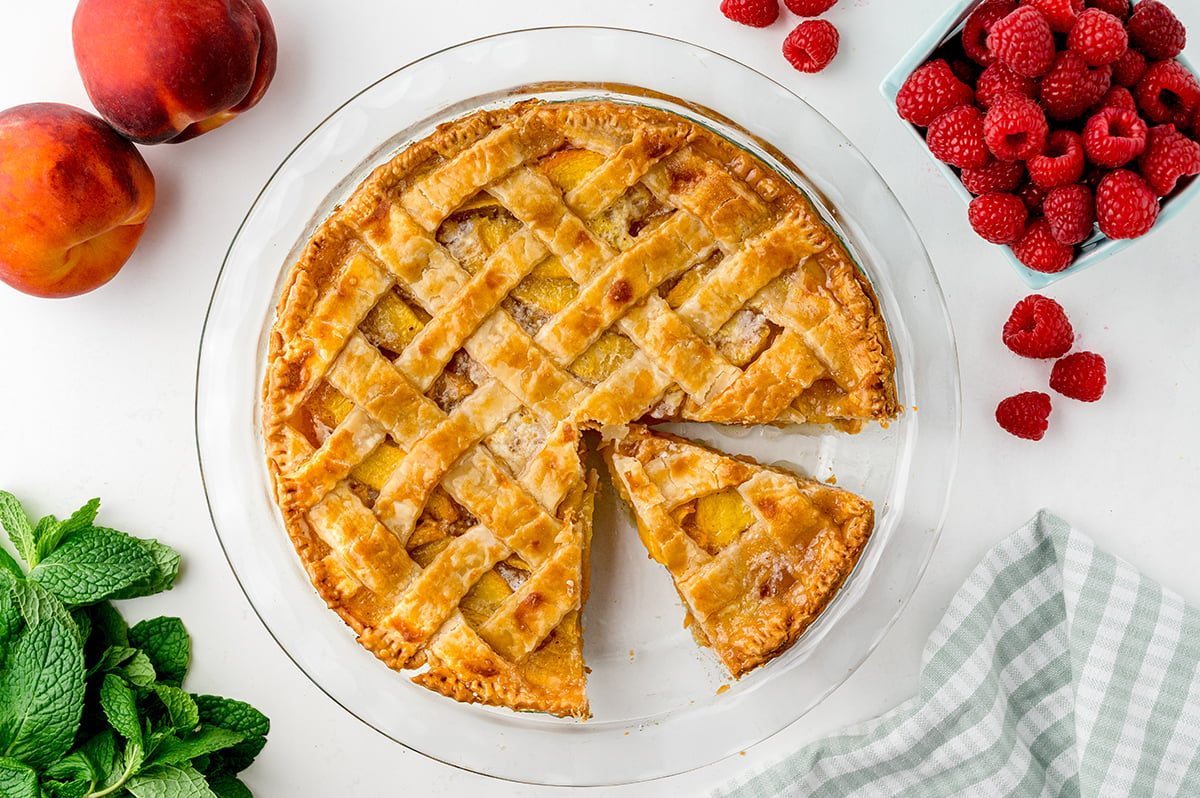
x=169 y=70
x=74 y=199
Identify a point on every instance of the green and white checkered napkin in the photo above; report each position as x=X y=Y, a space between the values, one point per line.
x=1058 y=670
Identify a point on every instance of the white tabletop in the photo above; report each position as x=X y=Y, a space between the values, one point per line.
x=98 y=392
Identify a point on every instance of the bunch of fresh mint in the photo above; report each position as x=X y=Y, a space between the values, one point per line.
x=89 y=706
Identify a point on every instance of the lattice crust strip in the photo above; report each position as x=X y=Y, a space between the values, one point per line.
x=755 y=553
x=482 y=298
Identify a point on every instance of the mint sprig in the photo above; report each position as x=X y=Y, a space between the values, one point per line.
x=90 y=707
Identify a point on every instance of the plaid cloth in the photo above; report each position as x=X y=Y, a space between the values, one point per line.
x=1058 y=670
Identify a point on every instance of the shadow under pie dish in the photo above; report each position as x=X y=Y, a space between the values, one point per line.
x=485 y=298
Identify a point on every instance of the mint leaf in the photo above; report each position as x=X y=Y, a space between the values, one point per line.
x=74 y=765
x=112 y=658
x=139 y=670
x=109 y=628
x=163 y=576
x=169 y=781
x=16 y=523
x=101 y=752
x=181 y=707
x=229 y=787
x=10 y=618
x=9 y=564
x=68 y=789
x=119 y=703
x=237 y=716
x=93 y=564
x=176 y=750
x=41 y=687
x=17 y=780
x=168 y=646
x=84 y=517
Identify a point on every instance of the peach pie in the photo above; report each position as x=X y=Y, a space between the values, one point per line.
x=513 y=281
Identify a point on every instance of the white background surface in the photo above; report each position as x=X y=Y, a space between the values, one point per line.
x=96 y=393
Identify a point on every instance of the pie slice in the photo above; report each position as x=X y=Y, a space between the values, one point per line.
x=484 y=297
x=755 y=552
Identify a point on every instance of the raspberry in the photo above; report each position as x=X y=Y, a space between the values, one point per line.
x=1061 y=162
x=1099 y=37
x=1156 y=31
x=956 y=138
x=809 y=8
x=998 y=218
x=1114 y=137
x=1061 y=14
x=1070 y=88
x=812 y=45
x=1038 y=327
x=1023 y=41
x=979 y=24
x=1129 y=68
x=1071 y=214
x=1169 y=156
x=997 y=80
x=1079 y=375
x=1117 y=97
x=1015 y=128
x=1168 y=92
x=755 y=13
x=1118 y=8
x=1026 y=415
x=1032 y=195
x=964 y=69
x=1038 y=250
x=995 y=175
x=929 y=91
x=1126 y=206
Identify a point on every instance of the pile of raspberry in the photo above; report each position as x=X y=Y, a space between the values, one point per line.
x=1038 y=328
x=1062 y=117
x=810 y=46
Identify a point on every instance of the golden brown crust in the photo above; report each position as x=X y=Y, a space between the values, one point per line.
x=426 y=384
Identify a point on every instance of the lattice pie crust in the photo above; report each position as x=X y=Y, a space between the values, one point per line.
x=495 y=290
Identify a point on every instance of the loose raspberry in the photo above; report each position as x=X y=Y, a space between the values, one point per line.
x=1129 y=68
x=1117 y=97
x=1023 y=41
x=956 y=138
x=1038 y=327
x=979 y=24
x=929 y=91
x=1015 y=128
x=809 y=8
x=1114 y=137
x=1061 y=162
x=995 y=175
x=997 y=80
x=1071 y=87
x=1168 y=92
x=1099 y=37
x=1061 y=14
x=812 y=45
x=1079 y=375
x=1038 y=249
x=998 y=218
x=1169 y=156
x=1118 y=8
x=755 y=13
x=1126 y=206
x=1071 y=214
x=1026 y=415
x=1156 y=31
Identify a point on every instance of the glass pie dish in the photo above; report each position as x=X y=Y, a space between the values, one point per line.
x=661 y=705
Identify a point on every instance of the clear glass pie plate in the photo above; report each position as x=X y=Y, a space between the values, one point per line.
x=661 y=704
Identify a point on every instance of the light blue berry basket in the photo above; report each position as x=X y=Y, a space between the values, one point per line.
x=1090 y=252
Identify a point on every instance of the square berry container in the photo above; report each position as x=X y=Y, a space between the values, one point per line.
x=1097 y=247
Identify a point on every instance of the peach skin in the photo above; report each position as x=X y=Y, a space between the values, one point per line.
x=74 y=197
x=169 y=70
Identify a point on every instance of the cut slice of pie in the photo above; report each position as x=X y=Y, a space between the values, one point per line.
x=496 y=288
x=755 y=552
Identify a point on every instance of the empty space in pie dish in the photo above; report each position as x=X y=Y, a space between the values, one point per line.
x=655 y=695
